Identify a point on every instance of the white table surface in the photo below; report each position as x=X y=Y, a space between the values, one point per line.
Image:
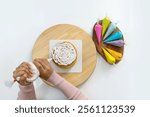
x=21 y=22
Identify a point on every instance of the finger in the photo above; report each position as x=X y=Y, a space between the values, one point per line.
x=25 y=64
x=22 y=66
x=17 y=79
x=25 y=71
x=23 y=80
x=18 y=74
x=40 y=62
x=38 y=65
x=30 y=75
x=23 y=77
x=45 y=63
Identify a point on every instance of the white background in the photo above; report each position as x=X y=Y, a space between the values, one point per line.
x=21 y=22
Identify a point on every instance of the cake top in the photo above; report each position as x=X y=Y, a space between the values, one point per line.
x=64 y=53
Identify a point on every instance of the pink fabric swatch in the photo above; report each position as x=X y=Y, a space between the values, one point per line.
x=98 y=30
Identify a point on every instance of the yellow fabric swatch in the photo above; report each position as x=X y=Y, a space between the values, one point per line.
x=115 y=54
x=110 y=59
x=105 y=24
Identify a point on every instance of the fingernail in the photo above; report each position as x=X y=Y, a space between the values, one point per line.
x=18 y=78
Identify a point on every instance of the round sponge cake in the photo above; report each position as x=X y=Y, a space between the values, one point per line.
x=64 y=54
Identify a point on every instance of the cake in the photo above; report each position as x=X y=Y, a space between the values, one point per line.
x=64 y=54
x=109 y=40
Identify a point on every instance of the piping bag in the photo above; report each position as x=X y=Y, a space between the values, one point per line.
x=34 y=71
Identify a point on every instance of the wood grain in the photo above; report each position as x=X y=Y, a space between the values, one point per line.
x=67 y=32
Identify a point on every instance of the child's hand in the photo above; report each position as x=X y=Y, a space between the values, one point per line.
x=44 y=68
x=23 y=71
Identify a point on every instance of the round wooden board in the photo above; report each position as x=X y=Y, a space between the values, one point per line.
x=67 y=32
x=99 y=47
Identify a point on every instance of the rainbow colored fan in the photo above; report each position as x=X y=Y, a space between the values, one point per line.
x=109 y=40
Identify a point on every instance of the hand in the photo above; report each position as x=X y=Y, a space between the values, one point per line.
x=44 y=68
x=23 y=71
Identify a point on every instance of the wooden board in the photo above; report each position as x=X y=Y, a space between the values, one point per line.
x=67 y=32
x=99 y=47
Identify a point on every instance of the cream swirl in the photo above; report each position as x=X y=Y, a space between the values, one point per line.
x=64 y=53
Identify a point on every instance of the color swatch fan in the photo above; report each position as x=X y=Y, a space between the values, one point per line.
x=108 y=40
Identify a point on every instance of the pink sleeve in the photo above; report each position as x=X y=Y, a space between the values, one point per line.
x=70 y=91
x=26 y=92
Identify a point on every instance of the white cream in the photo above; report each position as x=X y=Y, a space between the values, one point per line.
x=63 y=53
